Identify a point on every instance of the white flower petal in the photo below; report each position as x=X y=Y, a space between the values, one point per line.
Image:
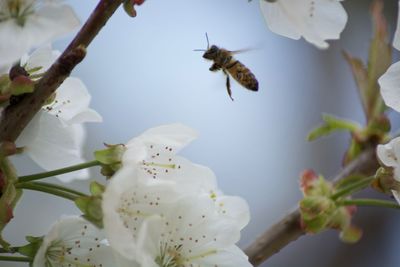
x=42 y=57
x=235 y=209
x=396 y=39
x=123 y=187
x=230 y=257
x=31 y=132
x=278 y=21
x=71 y=103
x=396 y=196
x=12 y=43
x=50 y=21
x=174 y=136
x=315 y=20
x=57 y=146
x=83 y=242
x=390 y=86
x=191 y=221
x=386 y=154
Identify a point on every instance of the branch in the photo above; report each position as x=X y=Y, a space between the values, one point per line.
x=288 y=228
x=15 y=117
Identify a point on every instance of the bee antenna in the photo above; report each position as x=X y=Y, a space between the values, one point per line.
x=208 y=43
x=199 y=50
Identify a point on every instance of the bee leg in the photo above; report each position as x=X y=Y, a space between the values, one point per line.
x=228 y=85
x=215 y=67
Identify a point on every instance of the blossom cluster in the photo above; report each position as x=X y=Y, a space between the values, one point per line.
x=159 y=210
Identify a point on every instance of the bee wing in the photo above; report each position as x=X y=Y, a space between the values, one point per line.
x=247 y=49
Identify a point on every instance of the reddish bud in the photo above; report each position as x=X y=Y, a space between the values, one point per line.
x=351 y=209
x=307 y=178
x=21 y=85
x=16 y=71
x=138 y=2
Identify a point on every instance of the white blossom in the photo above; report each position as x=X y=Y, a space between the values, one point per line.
x=156 y=225
x=314 y=20
x=74 y=242
x=25 y=24
x=389 y=155
x=153 y=154
x=390 y=81
x=54 y=137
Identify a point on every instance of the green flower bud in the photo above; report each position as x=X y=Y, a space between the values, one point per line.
x=91 y=209
x=316 y=213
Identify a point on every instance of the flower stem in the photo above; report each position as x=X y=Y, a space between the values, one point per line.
x=45 y=189
x=42 y=175
x=348 y=190
x=369 y=202
x=60 y=187
x=9 y=250
x=13 y=258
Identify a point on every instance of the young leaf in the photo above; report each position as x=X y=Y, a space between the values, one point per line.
x=332 y=124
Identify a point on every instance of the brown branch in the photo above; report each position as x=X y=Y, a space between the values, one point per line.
x=16 y=116
x=288 y=228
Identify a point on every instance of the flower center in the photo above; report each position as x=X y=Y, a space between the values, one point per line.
x=169 y=256
x=18 y=10
x=57 y=252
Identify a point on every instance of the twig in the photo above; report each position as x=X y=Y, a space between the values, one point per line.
x=288 y=228
x=16 y=117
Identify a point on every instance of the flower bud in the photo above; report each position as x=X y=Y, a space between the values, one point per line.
x=313 y=185
x=21 y=85
x=91 y=209
x=316 y=213
x=16 y=71
x=385 y=181
x=129 y=8
x=110 y=158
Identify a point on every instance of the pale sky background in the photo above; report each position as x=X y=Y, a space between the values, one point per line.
x=142 y=72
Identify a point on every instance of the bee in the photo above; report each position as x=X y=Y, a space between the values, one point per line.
x=224 y=60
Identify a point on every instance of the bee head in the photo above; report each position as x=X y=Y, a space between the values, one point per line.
x=211 y=53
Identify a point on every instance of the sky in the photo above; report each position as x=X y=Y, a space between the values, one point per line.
x=142 y=72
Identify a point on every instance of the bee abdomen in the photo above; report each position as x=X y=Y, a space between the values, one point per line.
x=243 y=75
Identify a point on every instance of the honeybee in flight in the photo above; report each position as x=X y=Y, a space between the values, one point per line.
x=224 y=60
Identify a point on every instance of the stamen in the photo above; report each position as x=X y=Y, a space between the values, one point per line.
x=170 y=166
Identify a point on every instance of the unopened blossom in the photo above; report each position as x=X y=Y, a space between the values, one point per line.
x=390 y=81
x=314 y=20
x=25 y=24
x=389 y=155
x=74 y=242
x=55 y=136
x=156 y=225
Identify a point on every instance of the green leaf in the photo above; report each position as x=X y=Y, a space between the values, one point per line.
x=379 y=59
x=360 y=75
x=331 y=125
x=352 y=152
